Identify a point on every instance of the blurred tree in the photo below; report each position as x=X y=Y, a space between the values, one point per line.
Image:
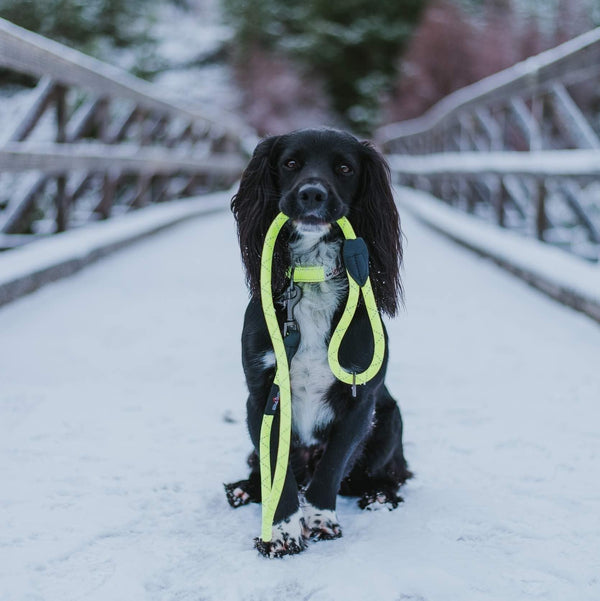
x=353 y=46
x=461 y=41
x=81 y=22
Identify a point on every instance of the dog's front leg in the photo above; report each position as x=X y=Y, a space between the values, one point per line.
x=288 y=530
x=344 y=439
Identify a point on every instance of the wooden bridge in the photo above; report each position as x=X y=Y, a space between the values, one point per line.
x=121 y=392
x=521 y=147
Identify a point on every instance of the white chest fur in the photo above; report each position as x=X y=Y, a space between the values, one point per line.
x=310 y=374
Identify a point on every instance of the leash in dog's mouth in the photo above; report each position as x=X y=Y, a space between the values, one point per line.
x=356 y=263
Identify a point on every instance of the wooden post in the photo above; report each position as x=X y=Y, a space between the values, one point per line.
x=61 y=200
x=109 y=190
x=102 y=120
x=142 y=188
x=538 y=110
x=189 y=187
x=159 y=188
x=500 y=197
x=541 y=221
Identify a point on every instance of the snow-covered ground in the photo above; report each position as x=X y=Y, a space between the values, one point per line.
x=32 y=266
x=557 y=271
x=122 y=413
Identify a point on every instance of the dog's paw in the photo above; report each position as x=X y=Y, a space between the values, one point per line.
x=376 y=500
x=287 y=538
x=238 y=493
x=320 y=524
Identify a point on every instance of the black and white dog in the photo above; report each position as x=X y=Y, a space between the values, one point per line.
x=341 y=443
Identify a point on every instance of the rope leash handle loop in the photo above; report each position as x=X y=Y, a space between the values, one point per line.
x=354 y=290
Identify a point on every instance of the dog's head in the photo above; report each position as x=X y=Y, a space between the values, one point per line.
x=316 y=176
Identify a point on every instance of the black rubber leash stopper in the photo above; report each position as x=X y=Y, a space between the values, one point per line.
x=356 y=260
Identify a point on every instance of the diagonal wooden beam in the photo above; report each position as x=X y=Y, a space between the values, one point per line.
x=11 y=217
x=42 y=97
x=571 y=118
x=527 y=123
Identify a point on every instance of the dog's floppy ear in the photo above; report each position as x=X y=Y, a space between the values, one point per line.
x=254 y=207
x=375 y=218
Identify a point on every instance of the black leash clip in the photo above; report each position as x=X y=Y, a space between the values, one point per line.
x=291 y=297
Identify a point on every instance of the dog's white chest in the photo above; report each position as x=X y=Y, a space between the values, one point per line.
x=311 y=377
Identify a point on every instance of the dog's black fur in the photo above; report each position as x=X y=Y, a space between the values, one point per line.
x=354 y=445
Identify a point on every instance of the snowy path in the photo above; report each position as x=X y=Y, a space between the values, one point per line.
x=122 y=412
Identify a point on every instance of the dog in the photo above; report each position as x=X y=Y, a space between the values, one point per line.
x=341 y=443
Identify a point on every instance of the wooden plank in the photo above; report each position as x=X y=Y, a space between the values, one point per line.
x=8 y=241
x=544 y=163
x=128 y=158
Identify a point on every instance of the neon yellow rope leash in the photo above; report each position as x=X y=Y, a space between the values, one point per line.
x=272 y=483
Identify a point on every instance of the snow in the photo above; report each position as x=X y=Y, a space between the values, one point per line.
x=189 y=43
x=185 y=36
x=560 y=269
x=122 y=412
x=81 y=246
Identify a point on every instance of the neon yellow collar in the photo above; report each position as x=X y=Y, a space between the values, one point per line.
x=313 y=274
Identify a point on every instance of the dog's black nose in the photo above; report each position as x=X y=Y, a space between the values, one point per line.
x=312 y=194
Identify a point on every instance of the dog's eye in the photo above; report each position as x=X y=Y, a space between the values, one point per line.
x=345 y=169
x=291 y=164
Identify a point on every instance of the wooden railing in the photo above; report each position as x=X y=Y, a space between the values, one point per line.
x=94 y=140
x=521 y=147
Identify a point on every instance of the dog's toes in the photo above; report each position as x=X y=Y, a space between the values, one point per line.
x=280 y=547
x=320 y=524
x=236 y=495
x=287 y=538
x=328 y=531
x=376 y=500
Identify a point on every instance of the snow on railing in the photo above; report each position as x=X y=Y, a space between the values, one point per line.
x=91 y=140
x=521 y=147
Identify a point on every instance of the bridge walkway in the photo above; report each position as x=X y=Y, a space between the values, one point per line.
x=122 y=412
